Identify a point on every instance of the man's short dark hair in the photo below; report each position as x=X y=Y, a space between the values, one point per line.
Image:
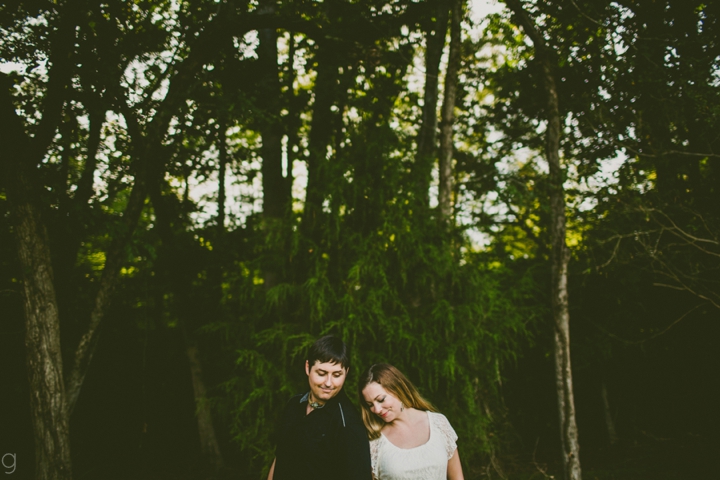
x=329 y=349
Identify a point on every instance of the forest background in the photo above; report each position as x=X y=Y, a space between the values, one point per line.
x=193 y=191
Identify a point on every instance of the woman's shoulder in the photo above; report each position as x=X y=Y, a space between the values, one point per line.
x=376 y=444
x=447 y=433
x=438 y=418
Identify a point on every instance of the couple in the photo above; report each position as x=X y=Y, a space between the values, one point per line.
x=323 y=437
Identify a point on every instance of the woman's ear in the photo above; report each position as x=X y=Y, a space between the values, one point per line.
x=307 y=368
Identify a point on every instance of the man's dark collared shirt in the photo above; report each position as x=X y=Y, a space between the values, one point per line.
x=329 y=443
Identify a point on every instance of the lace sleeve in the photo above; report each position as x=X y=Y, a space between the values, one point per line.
x=448 y=434
x=374 y=451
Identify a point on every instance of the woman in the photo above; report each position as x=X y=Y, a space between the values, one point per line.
x=409 y=440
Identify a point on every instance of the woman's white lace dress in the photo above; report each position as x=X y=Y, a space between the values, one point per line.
x=426 y=462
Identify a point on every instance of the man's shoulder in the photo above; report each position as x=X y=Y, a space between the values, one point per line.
x=293 y=403
x=348 y=409
x=297 y=398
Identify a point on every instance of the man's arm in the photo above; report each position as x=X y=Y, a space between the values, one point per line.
x=272 y=470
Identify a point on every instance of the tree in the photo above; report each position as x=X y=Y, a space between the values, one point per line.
x=445 y=166
x=435 y=32
x=276 y=187
x=560 y=255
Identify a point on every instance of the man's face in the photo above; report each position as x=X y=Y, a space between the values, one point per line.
x=325 y=379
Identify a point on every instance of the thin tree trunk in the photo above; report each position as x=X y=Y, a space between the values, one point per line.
x=208 y=440
x=446 y=186
x=560 y=254
x=609 y=422
x=222 y=172
x=80 y=206
x=115 y=259
x=427 y=137
x=274 y=201
x=293 y=118
x=85 y=185
x=318 y=141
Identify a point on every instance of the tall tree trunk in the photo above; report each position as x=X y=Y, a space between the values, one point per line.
x=321 y=133
x=276 y=202
x=560 y=254
x=48 y=404
x=293 y=118
x=222 y=172
x=445 y=165
x=42 y=337
x=427 y=137
x=217 y=263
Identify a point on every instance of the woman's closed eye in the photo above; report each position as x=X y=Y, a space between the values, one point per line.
x=379 y=400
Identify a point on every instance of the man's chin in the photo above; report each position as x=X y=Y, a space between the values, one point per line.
x=327 y=395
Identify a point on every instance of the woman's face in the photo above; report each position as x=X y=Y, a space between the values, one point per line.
x=381 y=402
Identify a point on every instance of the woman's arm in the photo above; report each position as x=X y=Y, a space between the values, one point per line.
x=454 y=469
x=272 y=470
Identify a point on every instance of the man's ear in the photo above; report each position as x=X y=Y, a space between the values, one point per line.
x=307 y=368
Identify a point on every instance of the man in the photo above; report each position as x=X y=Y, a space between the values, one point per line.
x=321 y=435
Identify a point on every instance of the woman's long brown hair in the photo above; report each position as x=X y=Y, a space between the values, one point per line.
x=395 y=383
